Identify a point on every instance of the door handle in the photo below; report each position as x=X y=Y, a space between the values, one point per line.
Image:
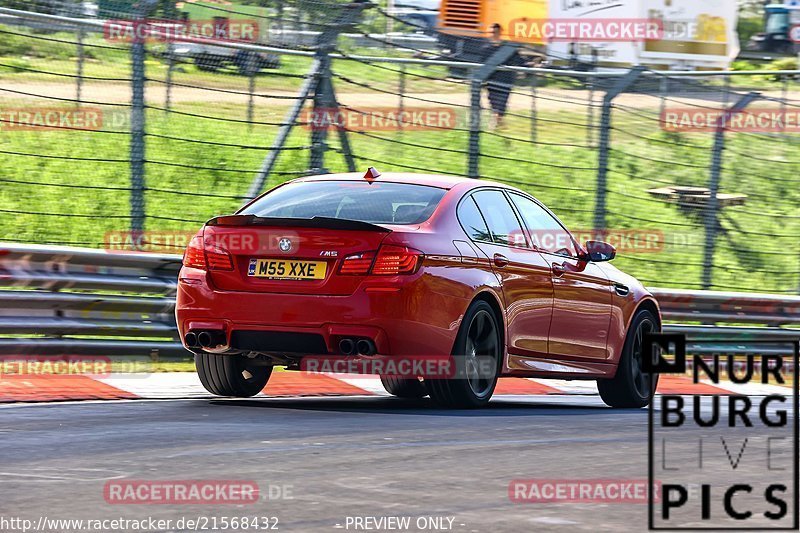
x=559 y=270
x=500 y=260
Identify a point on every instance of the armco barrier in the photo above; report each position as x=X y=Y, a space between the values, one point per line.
x=82 y=301
x=62 y=300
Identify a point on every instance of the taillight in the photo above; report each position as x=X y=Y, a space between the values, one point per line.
x=193 y=256
x=218 y=258
x=392 y=260
x=206 y=256
x=357 y=264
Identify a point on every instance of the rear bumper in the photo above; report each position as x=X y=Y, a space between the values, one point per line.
x=408 y=318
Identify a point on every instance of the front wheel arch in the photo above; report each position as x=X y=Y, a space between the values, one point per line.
x=651 y=306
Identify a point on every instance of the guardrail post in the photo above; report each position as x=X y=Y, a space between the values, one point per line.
x=710 y=216
x=478 y=77
x=137 y=149
x=605 y=144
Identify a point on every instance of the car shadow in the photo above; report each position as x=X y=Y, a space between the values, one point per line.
x=400 y=406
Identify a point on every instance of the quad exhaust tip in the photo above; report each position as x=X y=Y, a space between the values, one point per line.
x=347 y=346
x=365 y=347
x=191 y=340
x=360 y=347
x=204 y=339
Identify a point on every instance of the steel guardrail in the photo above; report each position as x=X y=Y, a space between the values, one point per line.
x=57 y=300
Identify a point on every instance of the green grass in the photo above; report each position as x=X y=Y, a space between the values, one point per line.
x=80 y=202
x=203 y=157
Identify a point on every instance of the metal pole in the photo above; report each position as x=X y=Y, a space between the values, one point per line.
x=534 y=119
x=81 y=58
x=322 y=107
x=711 y=216
x=604 y=146
x=664 y=89
x=499 y=57
x=590 y=114
x=283 y=133
x=170 y=71
x=252 y=68
x=137 y=134
x=325 y=43
x=784 y=96
x=473 y=164
x=401 y=91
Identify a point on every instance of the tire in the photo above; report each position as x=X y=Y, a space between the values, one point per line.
x=226 y=375
x=631 y=387
x=404 y=387
x=477 y=354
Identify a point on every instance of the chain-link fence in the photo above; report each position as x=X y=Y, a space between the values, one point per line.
x=111 y=126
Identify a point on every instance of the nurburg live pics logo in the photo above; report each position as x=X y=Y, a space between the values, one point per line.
x=724 y=462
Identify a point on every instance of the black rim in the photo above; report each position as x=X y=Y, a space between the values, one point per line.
x=482 y=353
x=642 y=381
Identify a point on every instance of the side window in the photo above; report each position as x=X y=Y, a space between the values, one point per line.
x=472 y=221
x=546 y=232
x=503 y=223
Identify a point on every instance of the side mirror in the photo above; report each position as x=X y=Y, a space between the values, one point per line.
x=599 y=251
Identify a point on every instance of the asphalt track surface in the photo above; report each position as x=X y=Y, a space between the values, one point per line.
x=343 y=456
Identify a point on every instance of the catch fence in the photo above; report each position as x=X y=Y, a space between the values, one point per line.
x=154 y=136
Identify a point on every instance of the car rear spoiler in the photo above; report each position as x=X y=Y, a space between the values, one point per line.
x=315 y=222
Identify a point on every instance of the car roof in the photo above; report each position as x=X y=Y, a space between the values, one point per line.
x=442 y=181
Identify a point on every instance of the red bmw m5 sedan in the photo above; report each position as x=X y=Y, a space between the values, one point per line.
x=410 y=266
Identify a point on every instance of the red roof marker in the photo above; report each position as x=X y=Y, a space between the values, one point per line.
x=371 y=174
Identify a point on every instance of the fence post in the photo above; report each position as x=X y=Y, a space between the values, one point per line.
x=664 y=91
x=473 y=166
x=710 y=216
x=604 y=146
x=137 y=132
x=252 y=70
x=502 y=54
x=534 y=120
x=81 y=59
x=322 y=106
x=401 y=106
x=170 y=72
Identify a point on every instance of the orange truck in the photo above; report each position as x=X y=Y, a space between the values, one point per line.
x=678 y=34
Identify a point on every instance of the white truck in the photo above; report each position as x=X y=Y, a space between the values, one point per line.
x=695 y=34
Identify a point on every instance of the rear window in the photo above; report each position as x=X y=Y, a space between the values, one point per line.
x=376 y=203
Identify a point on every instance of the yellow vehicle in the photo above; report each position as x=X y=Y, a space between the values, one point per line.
x=691 y=34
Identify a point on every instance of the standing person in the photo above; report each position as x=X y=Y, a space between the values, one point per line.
x=499 y=84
